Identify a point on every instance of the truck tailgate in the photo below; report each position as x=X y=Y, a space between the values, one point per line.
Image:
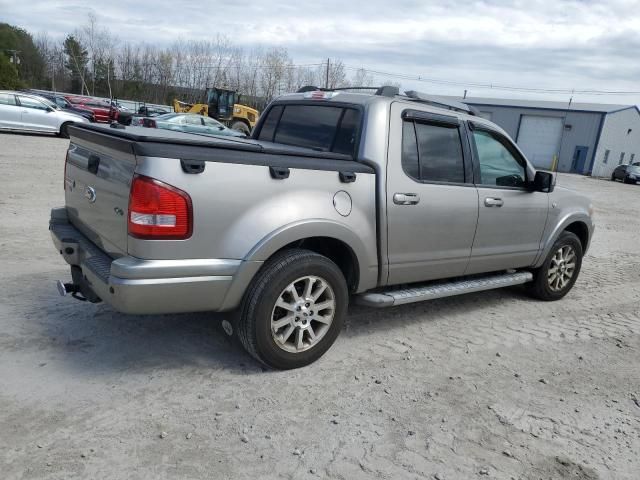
x=98 y=177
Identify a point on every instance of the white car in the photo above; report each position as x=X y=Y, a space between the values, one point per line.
x=23 y=112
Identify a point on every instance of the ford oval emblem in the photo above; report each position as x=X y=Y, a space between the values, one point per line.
x=90 y=194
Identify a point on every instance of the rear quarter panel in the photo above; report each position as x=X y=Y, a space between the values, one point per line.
x=240 y=212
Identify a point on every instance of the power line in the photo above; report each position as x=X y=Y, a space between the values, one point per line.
x=438 y=81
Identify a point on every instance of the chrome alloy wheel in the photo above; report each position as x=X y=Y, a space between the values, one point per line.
x=303 y=314
x=562 y=268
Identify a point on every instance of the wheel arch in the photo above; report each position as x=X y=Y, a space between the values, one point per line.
x=581 y=230
x=335 y=250
x=329 y=238
x=579 y=224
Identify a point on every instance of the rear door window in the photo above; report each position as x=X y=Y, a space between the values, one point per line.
x=28 y=102
x=321 y=127
x=7 y=99
x=432 y=152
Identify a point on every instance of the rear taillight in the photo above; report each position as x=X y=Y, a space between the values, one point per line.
x=158 y=211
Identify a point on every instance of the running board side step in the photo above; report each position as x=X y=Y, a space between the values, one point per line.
x=442 y=289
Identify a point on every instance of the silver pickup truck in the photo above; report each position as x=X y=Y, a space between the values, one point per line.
x=382 y=198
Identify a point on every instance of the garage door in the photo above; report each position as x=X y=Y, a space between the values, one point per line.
x=539 y=138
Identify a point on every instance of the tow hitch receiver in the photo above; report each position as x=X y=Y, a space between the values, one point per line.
x=66 y=288
x=79 y=287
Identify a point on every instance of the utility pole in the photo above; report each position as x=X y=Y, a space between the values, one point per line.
x=326 y=82
x=14 y=57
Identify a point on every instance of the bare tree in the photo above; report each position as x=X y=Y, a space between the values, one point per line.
x=362 y=79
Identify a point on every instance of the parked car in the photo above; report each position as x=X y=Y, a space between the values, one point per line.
x=627 y=173
x=190 y=123
x=103 y=109
x=388 y=199
x=64 y=104
x=23 y=112
x=152 y=111
x=137 y=119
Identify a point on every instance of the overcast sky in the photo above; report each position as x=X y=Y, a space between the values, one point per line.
x=535 y=43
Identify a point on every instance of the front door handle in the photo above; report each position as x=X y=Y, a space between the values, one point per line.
x=493 y=202
x=406 y=198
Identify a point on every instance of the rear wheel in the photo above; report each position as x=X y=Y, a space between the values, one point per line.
x=613 y=177
x=294 y=309
x=560 y=270
x=64 y=130
x=241 y=127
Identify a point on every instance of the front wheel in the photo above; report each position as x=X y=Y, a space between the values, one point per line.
x=560 y=270
x=64 y=130
x=294 y=309
x=241 y=127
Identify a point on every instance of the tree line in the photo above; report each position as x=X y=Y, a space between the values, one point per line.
x=92 y=61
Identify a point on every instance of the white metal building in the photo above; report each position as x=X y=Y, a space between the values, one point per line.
x=587 y=138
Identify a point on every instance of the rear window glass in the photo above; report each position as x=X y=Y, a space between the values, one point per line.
x=325 y=128
x=270 y=124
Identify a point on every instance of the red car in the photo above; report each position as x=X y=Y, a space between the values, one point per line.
x=102 y=109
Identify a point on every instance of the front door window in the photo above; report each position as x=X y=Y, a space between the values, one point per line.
x=498 y=165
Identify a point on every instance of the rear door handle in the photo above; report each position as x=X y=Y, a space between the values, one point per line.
x=406 y=198
x=493 y=202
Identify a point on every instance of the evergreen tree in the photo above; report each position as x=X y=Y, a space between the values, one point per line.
x=76 y=63
x=31 y=69
x=8 y=74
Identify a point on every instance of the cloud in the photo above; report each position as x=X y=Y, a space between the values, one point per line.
x=568 y=44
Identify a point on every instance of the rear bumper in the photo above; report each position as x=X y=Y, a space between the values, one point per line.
x=137 y=286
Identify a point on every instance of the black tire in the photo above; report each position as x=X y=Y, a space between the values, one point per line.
x=613 y=177
x=254 y=320
x=64 y=130
x=241 y=127
x=627 y=180
x=540 y=287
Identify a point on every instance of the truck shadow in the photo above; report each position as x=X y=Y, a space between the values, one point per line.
x=95 y=338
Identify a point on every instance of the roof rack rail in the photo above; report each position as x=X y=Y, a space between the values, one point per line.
x=441 y=102
x=384 y=91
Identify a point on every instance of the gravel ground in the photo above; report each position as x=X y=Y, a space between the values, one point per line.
x=488 y=385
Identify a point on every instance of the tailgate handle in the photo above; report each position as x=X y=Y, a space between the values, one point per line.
x=347 y=177
x=93 y=164
x=192 y=166
x=279 y=173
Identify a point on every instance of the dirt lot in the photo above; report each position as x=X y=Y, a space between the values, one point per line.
x=489 y=385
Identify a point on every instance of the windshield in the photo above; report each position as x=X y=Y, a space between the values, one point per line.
x=48 y=103
x=633 y=169
x=210 y=122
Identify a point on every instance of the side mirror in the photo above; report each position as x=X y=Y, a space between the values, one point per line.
x=543 y=182
x=49 y=110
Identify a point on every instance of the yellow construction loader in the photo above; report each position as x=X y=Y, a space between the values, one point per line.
x=221 y=105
